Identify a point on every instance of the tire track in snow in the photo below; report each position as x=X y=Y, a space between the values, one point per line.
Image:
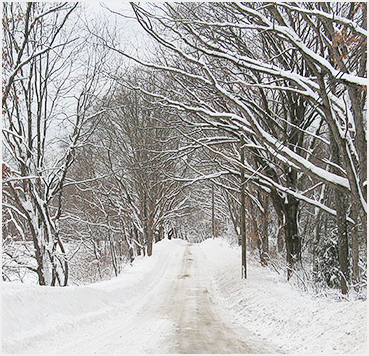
x=174 y=311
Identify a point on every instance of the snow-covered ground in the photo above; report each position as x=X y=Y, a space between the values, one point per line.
x=269 y=306
x=122 y=315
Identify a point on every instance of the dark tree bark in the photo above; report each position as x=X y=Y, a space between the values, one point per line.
x=341 y=206
x=287 y=210
x=341 y=209
x=149 y=237
x=264 y=239
x=293 y=241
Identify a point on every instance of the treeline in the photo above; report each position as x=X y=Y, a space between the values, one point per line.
x=248 y=113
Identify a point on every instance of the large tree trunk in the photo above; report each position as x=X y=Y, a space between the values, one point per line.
x=259 y=226
x=317 y=230
x=149 y=237
x=293 y=240
x=161 y=232
x=40 y=263
x=136 y=237
x=341 y=209
x=355 y=246
x=280 y=237
x=287 y=211
x=341 y=205
x=149 y=223
x=264 y=239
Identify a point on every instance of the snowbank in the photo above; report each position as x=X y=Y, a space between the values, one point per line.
x=272 y=309
x=296 y=322
x=31 y=313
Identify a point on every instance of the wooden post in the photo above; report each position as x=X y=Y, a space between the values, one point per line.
x=243 y=212
x=212 y=212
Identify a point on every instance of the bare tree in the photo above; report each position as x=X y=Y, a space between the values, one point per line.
x=314 y=61
x=43 y=104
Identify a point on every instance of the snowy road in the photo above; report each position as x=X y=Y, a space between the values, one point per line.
x=177 y=315
x=186 y=298
x=201 y=325
x=175 y=312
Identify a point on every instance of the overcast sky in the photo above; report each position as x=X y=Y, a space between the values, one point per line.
x=126 y=25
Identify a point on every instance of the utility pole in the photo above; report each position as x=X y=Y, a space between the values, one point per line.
x=212 y=211
x=243 y=211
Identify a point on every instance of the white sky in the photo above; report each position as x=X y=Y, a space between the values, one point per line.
x=128 y=29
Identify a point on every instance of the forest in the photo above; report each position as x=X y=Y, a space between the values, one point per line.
x=185 y=120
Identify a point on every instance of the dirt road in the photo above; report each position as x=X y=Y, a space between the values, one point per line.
x=203 y=326
x=178 y=313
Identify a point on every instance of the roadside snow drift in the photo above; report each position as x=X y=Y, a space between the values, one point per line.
x=32 y=314
x=37 y=319
x=271 y=308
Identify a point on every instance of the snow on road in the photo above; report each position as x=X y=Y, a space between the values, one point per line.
x=186 y=298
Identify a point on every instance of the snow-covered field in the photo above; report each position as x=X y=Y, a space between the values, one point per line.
x=72 y=319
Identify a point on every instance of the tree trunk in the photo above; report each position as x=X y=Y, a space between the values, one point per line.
x=137 y=238
x=149 y=237
x=288 y=216
x=39 y=257
x=160 y=233
x=264 y=240
x=341 y=218
x=317 y=229
x=341 y=208
x=355 y=246
x=293 y=241
x=280 y=241
x=40 y=269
